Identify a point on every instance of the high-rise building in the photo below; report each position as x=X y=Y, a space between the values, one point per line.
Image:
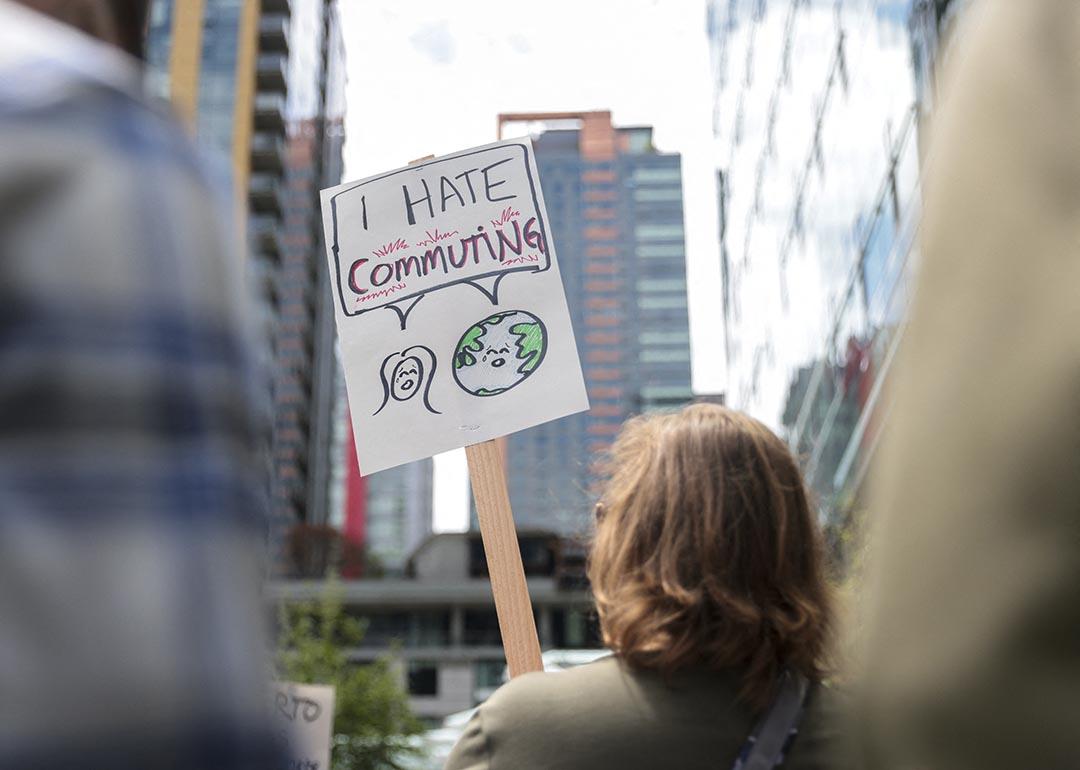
x=397 y=513
x=386 y=514
x=262 y=85
x=816 y=120
x=615 y=208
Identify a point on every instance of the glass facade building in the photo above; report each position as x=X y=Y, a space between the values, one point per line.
x=263 y=88
x=397 y=513
x=305 y=445
x=615 y=207
x=817 y=118
x=815 y=121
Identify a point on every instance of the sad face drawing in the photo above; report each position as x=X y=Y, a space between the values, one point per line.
x=406 y=374
x=406 y=378
x=499 y=352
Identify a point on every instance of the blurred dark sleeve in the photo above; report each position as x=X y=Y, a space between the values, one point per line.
x=972 y=656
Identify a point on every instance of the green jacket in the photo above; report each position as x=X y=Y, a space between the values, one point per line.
x=605 y=715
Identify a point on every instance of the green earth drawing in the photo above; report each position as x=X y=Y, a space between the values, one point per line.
x=499 y=352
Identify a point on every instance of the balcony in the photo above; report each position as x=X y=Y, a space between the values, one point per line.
x=264 y=193
x=267 y=153
x=261 y=274
x=274 y=33
x=266 y=236
x=297 y=300
x=293 y=419
x=271 y=72
x=269 y=112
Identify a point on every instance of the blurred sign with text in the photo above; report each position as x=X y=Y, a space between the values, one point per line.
x=303 y=719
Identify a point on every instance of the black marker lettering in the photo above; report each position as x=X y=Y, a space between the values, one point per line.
x=405 y=265
x=352 y=276
x=534 y=237
x=282 y=702
x=464 y=254
x=489 y=185
x=505 y=243
x=374 y=274
x=433 y=258
x=443 y=184
x=471 y=241
x=468 y=181
x=487 y=242
x=409 y=203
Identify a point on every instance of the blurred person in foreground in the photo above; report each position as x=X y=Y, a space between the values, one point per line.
x=707 y=568
x=130 y=484
x=972 y=649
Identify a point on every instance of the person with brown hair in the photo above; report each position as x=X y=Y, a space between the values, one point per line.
x=708 y=572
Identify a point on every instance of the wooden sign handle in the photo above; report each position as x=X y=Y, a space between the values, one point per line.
x=512 y=603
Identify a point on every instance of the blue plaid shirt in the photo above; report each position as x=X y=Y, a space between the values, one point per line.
x=132 y=479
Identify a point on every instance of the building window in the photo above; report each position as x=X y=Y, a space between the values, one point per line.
x=658 y=174
x=660 y=250
x=537 y=556
x=664 y=338
x=489 y=673
x=651 y=285
x=662 y=302
x=658 y=232
x=661 y=356
x=482 y=628
x=575 y=629
x=665 y=392
x=430 y=629
x=384 y=628
x=658 y=194
x=423 y=678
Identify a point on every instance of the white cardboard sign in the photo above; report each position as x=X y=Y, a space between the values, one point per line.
x=451 y=313
x=303 y=718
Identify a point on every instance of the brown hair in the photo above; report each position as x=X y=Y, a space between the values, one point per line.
x=706 y=552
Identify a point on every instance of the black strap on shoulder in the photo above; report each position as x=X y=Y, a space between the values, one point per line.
x=770 y=737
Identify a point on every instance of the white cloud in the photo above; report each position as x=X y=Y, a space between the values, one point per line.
x=519 y=43
x=435 y=42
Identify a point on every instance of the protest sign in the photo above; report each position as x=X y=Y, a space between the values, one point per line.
x=303 y=718
x=451 y=314
x=454 y=331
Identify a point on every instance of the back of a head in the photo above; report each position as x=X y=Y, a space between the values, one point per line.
x=707 y=553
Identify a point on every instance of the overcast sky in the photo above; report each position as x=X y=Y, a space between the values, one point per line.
x=429 y=77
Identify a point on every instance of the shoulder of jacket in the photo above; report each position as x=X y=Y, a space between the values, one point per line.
x=527 y=692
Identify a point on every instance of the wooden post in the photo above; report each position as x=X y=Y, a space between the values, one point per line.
x=512 y=604
x=487 y=474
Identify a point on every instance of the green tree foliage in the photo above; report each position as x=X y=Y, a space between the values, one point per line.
x=374 y=728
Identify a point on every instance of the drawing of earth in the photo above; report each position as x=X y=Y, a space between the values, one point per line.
x=499 y=352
